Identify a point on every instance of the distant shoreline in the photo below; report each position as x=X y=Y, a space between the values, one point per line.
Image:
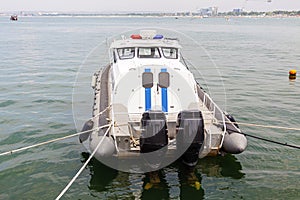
x=132 y=16
x=273 y=14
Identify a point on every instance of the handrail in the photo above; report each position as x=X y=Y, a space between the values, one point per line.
x=212 y=106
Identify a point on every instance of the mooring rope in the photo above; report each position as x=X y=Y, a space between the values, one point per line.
x=50 y=141
x=265 y=139
x=58 y=139
x=265 y=126
x=100 y=113
x=84 y=166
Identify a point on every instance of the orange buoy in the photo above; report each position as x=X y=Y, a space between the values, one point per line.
x=292 y=73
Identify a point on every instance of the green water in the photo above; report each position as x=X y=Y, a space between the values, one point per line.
x=244 y=64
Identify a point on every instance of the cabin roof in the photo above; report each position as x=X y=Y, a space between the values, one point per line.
x=145 y=43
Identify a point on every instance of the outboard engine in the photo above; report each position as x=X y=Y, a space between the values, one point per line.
x=190 y=136
x=153 y=138
x=154 y=131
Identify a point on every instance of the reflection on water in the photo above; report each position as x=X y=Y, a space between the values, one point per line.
x=101 y=175
x=190 y=183
x=227 y=166
x=106 y=182
x=155 y=186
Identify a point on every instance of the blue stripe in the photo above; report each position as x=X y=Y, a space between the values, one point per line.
x=164 y=96
x=147 y=95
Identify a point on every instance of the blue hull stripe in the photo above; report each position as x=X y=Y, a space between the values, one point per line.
x=164 y=96
x=147 y=95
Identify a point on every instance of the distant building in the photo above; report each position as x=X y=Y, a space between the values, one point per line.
x=211 y=11
x=237 y=11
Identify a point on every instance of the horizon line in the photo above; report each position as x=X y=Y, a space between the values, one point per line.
x=133 y=12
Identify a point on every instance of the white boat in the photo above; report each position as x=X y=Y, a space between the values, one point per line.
x=148 y=106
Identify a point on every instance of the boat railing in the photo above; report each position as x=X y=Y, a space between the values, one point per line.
x=216 y=111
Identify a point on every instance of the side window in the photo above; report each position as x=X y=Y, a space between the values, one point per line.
x=126 y=53
x=145 y=52
x=171 y=53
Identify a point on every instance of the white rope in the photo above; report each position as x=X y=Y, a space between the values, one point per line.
x=50 y=141
x=100 y=113
x=83 y=167
x=58 y=139
x=264 y=126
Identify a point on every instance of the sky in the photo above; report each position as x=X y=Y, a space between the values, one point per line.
x=146 y=5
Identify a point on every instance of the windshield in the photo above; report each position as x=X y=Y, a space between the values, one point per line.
x=148 y=52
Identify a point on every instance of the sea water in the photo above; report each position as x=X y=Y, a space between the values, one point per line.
x=45 y=72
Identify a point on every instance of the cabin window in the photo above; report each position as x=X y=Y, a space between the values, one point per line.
x=147 y=80
x=151 y=52
x=126 y=53
x=164 y=79
x=171 y=53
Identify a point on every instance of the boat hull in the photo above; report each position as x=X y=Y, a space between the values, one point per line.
x=117 y=148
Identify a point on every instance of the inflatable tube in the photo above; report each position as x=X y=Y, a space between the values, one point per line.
x=234 y=143
x=87 y=126
x=106 y=149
